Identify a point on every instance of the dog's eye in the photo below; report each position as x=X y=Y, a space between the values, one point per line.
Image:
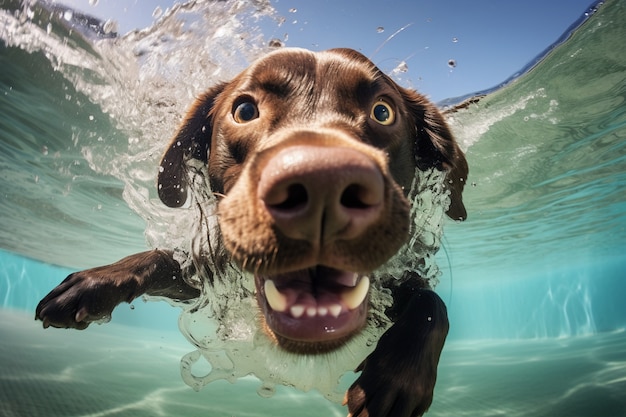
x=383 y=113
x=245 y=112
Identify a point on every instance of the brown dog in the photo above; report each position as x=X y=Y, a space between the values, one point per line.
x=313 y=157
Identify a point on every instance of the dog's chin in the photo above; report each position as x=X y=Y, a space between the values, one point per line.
x=315 y=310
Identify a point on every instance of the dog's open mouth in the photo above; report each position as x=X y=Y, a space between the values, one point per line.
x=314 y=305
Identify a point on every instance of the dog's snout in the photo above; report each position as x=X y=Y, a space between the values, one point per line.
x=321 y=194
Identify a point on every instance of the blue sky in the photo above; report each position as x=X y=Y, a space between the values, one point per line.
x=489 y=40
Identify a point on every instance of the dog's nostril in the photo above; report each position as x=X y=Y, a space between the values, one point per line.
x=295 y=197
x=352 y=197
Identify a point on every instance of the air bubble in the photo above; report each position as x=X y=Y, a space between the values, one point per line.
x=157 y=12
x=93 y=3
x=452 y=63
x=455 y=40
x=380 y=29
x=266 y=390
x=293 y=10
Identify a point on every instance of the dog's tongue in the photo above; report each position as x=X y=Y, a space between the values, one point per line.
x=319 y=292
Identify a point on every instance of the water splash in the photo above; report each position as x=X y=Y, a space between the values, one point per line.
x=224 y=322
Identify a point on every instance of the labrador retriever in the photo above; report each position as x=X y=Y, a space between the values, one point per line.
x=311 y=157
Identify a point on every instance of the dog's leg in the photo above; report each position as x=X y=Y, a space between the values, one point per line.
x=92 y=294
x=398 y=378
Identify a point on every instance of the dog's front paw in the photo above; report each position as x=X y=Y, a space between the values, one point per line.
x=398 y=377
x=383 y=393
x=82 y=298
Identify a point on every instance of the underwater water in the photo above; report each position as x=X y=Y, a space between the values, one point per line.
x=534 y=280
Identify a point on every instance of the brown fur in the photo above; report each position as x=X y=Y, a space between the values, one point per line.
x=343 y=208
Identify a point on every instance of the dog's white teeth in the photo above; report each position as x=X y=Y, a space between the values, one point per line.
x=334 y=310
x=351 y=299
x=297 y=311
x=355 y=296
x=275 y=299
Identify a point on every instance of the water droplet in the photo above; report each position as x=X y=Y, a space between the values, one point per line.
x=68 y=15
x=455 y=40
x=157 y=12
x=91 y=117
x=44 y=150
x=132 y=307
x=401 y=68
x=380 y=29
x=49 y=28
x=276 y=43
x=93 y=3
x=293 y=10
x=452 y=63
x=110 y=26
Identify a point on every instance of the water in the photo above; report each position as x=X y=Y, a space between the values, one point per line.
x=534 y=280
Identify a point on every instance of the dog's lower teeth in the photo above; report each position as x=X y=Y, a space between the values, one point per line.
x=297 y=311
x=356 y=296
x=275 y=299
x=351 y=299
x=335 y=310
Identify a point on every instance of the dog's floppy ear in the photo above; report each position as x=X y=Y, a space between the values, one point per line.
x=192 y=140
x=435 y=147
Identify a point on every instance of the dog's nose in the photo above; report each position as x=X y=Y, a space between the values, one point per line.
x=321 y=194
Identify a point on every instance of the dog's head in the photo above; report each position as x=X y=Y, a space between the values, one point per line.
x=312 y=155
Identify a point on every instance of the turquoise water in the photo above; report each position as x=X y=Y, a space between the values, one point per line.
x=534 y=280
